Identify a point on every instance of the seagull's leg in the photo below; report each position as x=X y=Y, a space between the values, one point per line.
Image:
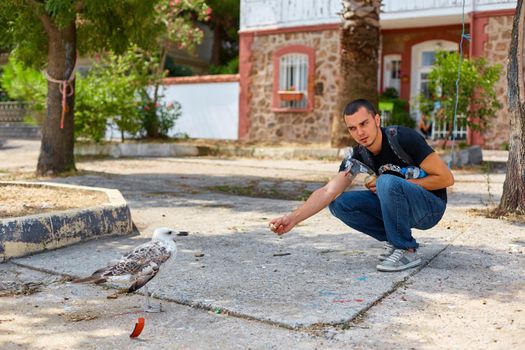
x=149 y=307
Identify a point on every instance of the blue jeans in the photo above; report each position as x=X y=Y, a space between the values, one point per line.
x=390 y=214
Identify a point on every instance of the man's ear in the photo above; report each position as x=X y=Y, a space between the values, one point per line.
x=377 y=119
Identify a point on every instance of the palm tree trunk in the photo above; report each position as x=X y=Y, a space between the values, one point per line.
x=360 y=34
x=56 y=150
x=513 y=198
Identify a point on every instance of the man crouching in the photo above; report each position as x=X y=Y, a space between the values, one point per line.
x=393 y=203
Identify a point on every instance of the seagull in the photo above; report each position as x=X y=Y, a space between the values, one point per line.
x=136 y=268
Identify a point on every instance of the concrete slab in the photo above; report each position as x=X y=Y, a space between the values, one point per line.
x=19 y=155
x=471 y=296
x=61 y=315
x=323 y=273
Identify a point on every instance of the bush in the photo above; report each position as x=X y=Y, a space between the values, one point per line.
x=476 y=98
x=232 y=67
x=3 y=94
x=399 y=114
x=177 y=70
x=25 y=84
x=110 y=94
x=156 y=119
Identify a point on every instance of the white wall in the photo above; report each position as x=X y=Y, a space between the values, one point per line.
x=256 y=14
x=267 y=14
x=209 y=110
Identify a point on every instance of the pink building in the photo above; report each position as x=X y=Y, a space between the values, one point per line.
x=289 y=60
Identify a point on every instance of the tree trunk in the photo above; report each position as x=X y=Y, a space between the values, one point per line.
x=153 y=130
x=360 y=33
x=217 y=45
x=513 y=199
x=56 y=150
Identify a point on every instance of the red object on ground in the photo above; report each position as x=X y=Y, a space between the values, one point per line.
x=139 y=326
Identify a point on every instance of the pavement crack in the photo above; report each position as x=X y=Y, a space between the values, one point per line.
x=47 y=271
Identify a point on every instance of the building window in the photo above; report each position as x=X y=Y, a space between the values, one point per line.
x=293 y=79
x=392 y=72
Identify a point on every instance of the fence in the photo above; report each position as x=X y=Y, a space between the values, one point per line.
x=440 y=129
x=12 y=112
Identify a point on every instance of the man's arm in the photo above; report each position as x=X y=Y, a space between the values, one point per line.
x=439 y=175
x=315 y=203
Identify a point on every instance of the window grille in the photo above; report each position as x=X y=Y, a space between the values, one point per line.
x=293 y=76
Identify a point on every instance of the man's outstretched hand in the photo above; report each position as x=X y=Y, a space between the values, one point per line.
x=281 y=225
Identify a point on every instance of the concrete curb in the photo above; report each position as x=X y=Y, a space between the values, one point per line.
x=469 y=156
x=137 y=150
x=188 y=150
x=35 y=233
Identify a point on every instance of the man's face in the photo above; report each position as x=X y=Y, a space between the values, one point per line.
x=363 y=126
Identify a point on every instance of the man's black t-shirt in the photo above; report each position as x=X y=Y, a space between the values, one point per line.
x=412 y=143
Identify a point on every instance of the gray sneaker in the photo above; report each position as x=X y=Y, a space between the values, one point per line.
x=389 y=249
x=399 y=260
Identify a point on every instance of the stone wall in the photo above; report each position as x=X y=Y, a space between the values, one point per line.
x=496 y=51
x=303 y=127
x=315 y=126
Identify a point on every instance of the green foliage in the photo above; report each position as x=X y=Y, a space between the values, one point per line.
x=177 y=70
x=25 y=84
x=226 y=13
x=177 y=20
x=110 y=94
x=101 y=25
x=225 y=19
x=476 y=98
x=231 y=67
x=399 y=114
x=3 y=94
x=105 y=95
x=157 y=118
x=21 y=29
x=115 y=92
x=62 y=11
x=463 y=145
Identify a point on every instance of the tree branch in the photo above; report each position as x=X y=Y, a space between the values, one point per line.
x=49 y=26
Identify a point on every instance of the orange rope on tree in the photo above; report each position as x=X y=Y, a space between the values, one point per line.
x=63 y=86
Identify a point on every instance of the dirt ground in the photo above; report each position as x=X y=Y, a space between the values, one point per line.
x=18 y=200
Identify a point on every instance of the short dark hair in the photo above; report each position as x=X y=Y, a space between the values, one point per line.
x=353 y=106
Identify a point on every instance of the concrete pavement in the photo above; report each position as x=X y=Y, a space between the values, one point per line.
x=316 y=287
